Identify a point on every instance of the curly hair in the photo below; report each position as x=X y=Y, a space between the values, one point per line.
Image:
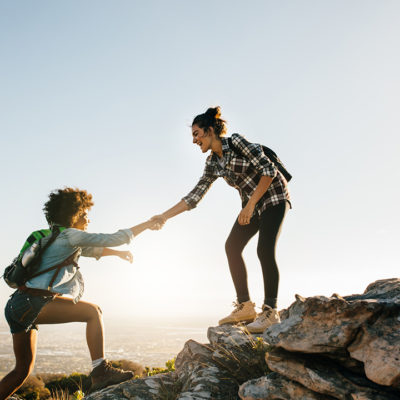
x=66 y=205
x=211 y=118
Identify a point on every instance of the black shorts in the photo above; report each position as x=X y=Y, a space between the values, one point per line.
x=22 y=309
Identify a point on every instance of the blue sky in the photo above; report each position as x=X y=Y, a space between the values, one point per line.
x=100 y=95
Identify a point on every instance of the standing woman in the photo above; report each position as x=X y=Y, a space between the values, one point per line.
x=265 y=201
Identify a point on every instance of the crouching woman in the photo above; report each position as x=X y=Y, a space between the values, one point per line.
x=41 y=300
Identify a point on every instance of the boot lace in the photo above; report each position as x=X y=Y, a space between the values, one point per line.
x=264 y=314
x=238 y=307
x=109 y=367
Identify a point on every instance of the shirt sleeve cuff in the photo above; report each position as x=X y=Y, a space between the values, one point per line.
x=129 y=234
x=97 y=252
x=190 y=202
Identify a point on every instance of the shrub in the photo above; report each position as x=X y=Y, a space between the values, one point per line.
x=246 y=361
x=70 y=384
x=33 y=389
x=169 y=367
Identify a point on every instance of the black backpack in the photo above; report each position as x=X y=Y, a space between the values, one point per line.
x=25 y=265
x=271 y=155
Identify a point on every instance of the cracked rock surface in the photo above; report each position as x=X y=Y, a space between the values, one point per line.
x=359 y=328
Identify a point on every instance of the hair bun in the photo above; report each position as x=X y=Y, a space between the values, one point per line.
x=211 y=119
x=213 y=112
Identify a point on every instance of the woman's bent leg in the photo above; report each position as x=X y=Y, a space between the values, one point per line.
x=236 y=242
x=62 y=310
x=24 y=344
x=270 y=226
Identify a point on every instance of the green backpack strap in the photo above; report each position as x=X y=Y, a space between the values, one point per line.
x=37 y=235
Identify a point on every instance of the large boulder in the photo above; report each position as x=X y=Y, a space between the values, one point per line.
x=321 y=324
x=362 y=328
x=377 y=345
x=201 y=376
x=215 y=370
x=322 y=375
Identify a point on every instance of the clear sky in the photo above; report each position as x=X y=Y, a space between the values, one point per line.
x=100 y=95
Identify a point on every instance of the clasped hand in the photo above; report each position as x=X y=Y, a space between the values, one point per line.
x=246 y=214
x=157 y=221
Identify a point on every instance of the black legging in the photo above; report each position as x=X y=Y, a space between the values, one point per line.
x=269 y=226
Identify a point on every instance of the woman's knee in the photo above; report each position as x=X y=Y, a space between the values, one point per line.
x=93 y=311
x=266 y=253
x=96 y=311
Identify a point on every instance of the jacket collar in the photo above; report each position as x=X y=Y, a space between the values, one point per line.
x=225 y=148
x=225 y=144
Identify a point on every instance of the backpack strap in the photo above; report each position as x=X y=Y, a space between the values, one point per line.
x=35 y=237
x=271 y=155
x=52 y=238
x=68 y=261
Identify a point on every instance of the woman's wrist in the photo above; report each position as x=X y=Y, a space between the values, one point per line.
x=251 y=203
x=164 y=217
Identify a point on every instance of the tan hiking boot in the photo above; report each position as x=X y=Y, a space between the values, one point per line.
x=267 y=317
x=243 y=312
x=105 y=375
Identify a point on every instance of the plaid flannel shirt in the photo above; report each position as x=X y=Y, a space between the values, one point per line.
x=242 y=170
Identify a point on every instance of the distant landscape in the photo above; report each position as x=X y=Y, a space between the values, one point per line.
x=62 y=348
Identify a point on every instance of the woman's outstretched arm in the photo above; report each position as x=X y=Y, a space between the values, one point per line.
x=175 y=210
x=192 y=199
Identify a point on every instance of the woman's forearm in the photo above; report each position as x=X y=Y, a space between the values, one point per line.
x=109 y=252
x=261 y=188
x=124 y=255
x=178 y=208
x=175 y=210
x=136 y=230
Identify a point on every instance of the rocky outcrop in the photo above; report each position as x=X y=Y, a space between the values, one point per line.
x=344 y=347
x=203 y=371
x=324 y=348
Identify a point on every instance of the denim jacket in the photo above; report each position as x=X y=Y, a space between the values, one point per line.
x=69 y=280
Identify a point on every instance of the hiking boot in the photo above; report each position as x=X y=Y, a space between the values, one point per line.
x=267 y=317
x=243 y=312
x=105 y=375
